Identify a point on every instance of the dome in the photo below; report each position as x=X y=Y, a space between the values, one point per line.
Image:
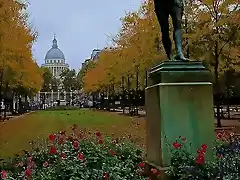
x=54 y=52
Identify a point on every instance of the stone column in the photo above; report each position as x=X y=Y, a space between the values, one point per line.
x=58 y=95
x=65 y=95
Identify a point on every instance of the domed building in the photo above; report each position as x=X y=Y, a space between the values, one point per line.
x=55 y=60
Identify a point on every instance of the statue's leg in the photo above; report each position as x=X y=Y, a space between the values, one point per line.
x=162 y=16
x=176 y=14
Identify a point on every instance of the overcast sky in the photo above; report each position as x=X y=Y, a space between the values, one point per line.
x=80 y=25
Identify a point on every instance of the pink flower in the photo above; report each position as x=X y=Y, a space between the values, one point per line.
x=3 y=174
x=81 y=156
x=75 y=144
x=45 y=164
x=29 y=159
x=63 y=156
x=21 y=164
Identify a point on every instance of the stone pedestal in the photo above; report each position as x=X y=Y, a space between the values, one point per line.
x=179 y=102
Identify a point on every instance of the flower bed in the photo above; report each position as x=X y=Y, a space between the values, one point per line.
x=78 y=157
x=225 y=163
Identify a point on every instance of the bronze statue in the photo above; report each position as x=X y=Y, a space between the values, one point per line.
x=174 y=8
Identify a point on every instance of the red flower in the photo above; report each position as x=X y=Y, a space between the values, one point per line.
x=75 y=144
x=100 y=141
x=105 y=176
x=3 y=174
x=60 y=141
x=81 y=156
x=141 y=165
x=154 y=171
x=45 y=164
x=98 y=134
x=112 y=153
x=220 y=155
x=63 y=156
x=28 y=172
x=52 y=137
x=204 y=147
x=202 y=151
x=53 y=150
x=200 y=159
x=176 y=145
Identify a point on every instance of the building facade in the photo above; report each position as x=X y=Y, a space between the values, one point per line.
x=55 y=60
x=94 y=56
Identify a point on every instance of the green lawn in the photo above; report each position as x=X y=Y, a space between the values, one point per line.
x=16 y=134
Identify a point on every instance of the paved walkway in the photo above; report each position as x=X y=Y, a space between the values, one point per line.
x=14 y=117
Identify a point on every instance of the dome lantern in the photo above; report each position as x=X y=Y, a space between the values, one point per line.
x=55 y=52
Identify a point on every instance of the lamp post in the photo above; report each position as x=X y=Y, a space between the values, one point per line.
x=71 y=97
x=58 y=95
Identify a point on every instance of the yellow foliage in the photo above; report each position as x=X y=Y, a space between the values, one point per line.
x=17 y=66
x=138 y=45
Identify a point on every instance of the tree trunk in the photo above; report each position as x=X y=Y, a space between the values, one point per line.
x=137 y=95
x=123 y=95
x=217 y=86
x=5 y=96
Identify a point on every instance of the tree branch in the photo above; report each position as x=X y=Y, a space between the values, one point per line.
x=229 y=39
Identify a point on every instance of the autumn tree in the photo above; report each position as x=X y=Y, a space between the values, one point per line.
x=18 y=70
x=217 y=27
x=82 y=73
x=134 y=50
